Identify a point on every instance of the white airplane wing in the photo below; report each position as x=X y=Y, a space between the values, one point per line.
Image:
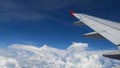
x=102 y=29
x=107 y=29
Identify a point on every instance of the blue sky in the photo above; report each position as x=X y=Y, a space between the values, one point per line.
x=39 y=22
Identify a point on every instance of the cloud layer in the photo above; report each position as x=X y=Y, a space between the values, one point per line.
x=75 y=56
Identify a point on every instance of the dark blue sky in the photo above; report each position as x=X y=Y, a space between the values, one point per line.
x=39 y=22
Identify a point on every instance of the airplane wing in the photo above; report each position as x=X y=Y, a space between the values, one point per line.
x=107 y=29
x=102 y=29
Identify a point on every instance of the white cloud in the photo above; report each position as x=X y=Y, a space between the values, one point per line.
x=75 y=56
x=8 y=63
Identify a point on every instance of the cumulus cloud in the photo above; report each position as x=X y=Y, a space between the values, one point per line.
x=6 y=62
x=75 y=56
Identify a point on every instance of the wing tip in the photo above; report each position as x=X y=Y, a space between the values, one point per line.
x=72 y=13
